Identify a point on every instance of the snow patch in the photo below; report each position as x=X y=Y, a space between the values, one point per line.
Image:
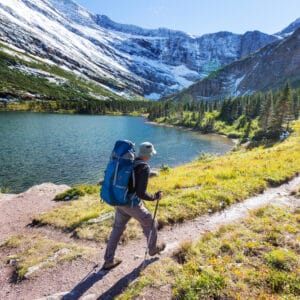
x=15 y=54
x=180 y=72
x=238 y=81
x=39 y=73
x=233 y=84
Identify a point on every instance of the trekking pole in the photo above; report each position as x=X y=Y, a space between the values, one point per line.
x=150 y=235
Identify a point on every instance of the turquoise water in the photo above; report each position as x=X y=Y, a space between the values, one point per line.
x=74 y=149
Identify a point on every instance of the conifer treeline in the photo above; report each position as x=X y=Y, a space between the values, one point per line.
x=91 y=107
x=273 y=111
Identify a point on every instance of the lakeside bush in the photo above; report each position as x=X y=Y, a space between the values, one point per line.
x=4 y=190
x=76 y=192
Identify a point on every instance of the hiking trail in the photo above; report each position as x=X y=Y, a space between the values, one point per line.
x=79 y=279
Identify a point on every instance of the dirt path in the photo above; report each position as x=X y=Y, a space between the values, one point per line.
x=78 y=279
x=16 y=210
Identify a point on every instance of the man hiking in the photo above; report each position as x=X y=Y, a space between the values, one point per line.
x=136 y=209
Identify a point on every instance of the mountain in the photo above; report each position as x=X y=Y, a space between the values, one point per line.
x=123 y=59
x=290 y=29
x=75 y=43
x=268 y=68
x=170 y=60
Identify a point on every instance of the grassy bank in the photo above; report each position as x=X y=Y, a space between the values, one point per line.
x=203 y=186
x=31 y=254
x=236 y=130
x=259 y=259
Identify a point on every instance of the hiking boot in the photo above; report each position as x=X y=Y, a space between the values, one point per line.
x=159 y=248
x=111 y=265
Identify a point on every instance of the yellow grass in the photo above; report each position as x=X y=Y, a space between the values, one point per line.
x=197 y=188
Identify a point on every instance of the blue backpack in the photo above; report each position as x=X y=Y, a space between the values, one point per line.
x=120 y=167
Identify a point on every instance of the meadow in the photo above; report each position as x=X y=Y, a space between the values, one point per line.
x=204 y=186
x=258 y=259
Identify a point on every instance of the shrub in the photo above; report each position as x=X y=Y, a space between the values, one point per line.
x=277 y=281
x=184 y=252
x=281 y=259
x=205 y=284
x=226 y=248
x=4 y=190
x=206 y=157
x=165 y=168
x=76 y=192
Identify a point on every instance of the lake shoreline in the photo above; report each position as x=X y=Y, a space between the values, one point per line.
x=133 y=114
x=70 y=112
x=234 y=141
x=72 y=163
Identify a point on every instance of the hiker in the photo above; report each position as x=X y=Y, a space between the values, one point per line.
x=136 y=209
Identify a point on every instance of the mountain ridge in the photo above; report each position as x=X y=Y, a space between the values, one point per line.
x=266 y=69
x=128 y=58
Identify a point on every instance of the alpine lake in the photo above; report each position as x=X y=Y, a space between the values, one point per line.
x=74 y=149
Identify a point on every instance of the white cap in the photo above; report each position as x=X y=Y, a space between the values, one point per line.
x=146 y=149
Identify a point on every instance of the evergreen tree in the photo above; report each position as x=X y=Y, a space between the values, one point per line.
x=296 y=105
x=282 y=110
x=266 y=112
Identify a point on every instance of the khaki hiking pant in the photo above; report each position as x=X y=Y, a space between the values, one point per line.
x=122 y=216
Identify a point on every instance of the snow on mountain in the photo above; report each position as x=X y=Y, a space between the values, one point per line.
x=34 y=25
x=106 y=22
x=73 y=12
x=290 y=29
x=267 y=69
x=124 y=58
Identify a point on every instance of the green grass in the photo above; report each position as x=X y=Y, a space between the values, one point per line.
x=31 y=250
x=4 y=190
x=81 y=218
x=258 y=259
x=203 y=186
x=78 y=191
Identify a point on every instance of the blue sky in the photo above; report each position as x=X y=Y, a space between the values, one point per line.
x=200 y=16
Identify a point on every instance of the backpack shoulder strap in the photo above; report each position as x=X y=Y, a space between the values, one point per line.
x=139 y=162
x=136 y=163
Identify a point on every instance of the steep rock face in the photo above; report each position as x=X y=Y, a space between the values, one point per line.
x=122 y=57
x=268 y=68
x=183 y=58
x=254 y=40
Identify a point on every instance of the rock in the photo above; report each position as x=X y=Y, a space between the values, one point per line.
x=13 y=262
x=154 y=173
x=37 y=267
x=102 y=218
